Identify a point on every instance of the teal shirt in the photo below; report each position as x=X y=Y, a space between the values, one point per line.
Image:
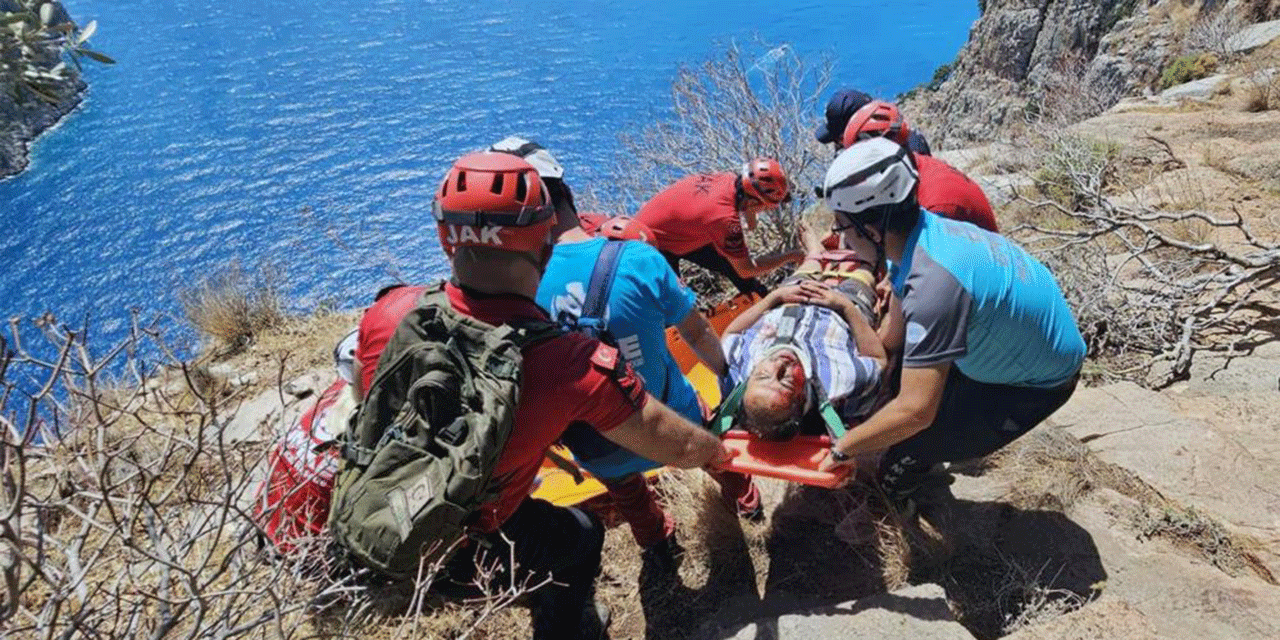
x=975 y=298
x=647 y=297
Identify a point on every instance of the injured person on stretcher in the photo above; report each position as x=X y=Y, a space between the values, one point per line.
x=813 y=355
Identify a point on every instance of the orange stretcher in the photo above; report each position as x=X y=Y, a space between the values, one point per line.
x=795 y=460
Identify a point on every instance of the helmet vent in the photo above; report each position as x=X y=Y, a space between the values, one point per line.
x=522 y=187
x=496 y=187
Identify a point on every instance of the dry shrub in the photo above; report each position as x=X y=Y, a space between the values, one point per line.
x=1212 y=31
x=1068 y=95
x=233 y=305
x=1190 y=529
x=744 y=102
x=1052 y=470
x=1261 y=73
x=1146 y=281
x=126 y=512
x=1026 y=601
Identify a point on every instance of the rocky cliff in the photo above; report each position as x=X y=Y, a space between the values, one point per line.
x=23 y=116
x=1078 y=56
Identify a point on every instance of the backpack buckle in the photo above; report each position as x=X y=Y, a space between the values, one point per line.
x=357 y=455
x=592 y=327
x=454 y=434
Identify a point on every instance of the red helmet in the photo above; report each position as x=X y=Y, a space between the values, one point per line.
x=493 y=200
x=626 y=228
x=876 y=118
x=764 y=180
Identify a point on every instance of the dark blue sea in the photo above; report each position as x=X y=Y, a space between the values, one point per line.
x=312 y=134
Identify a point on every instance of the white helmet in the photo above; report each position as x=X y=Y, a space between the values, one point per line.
x=344 y=357
x=533 y=153
x=870 y=173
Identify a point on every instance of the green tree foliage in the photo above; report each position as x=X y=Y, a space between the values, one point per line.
x=37 y=40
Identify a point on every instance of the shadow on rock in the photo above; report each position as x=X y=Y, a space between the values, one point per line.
x=673 y=610
x=1006 y=567
x=822 y=550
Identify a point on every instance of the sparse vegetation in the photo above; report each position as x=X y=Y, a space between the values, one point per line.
x=1146 y=280
x=126 y=512
x=1188 y=527
x=1030 y=602
x=743 y=102
x=232 y=306
x=1119 y=11
x=1261 y=73
x=1070 y=158
x=1212 y=31
x=1185 y=68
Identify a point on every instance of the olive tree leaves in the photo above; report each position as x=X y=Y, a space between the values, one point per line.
x=37 y=39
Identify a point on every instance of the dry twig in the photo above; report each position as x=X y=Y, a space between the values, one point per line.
x=1137 y=284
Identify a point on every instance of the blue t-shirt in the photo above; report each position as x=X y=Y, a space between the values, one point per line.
x=974 y=298
x=647 y=297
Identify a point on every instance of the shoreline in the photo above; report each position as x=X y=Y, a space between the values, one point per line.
x=32 y=121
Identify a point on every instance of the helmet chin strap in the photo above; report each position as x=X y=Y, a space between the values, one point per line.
x=878 y=242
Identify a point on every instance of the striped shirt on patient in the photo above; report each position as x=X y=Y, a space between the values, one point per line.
x=851 y=381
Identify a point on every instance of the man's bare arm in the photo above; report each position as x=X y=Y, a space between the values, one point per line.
x=662 y=435
x=912 y=411
x=698 y=334
x=781 y=295
x=749 y=267
x=866 y=338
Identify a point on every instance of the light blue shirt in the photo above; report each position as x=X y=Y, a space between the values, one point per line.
x=975 y=298
x=647 y=297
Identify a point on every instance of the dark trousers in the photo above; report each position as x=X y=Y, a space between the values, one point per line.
x=708 y=258
x=545 y=540
x=974 y=419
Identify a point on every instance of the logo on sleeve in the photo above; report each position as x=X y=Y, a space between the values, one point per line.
x=915 y=333
x=734 y=242
x=605 y=357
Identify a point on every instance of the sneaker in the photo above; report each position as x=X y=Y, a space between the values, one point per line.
x=595 y=621
x=906 y=508
x=663 y=558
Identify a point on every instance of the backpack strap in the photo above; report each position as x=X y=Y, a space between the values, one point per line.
x=597 y=299
x=726 y=414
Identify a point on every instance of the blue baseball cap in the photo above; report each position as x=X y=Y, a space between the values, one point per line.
x=840 y=108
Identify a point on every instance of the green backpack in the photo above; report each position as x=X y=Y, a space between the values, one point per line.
x=419 y=454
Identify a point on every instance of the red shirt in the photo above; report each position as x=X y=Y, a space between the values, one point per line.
x=564 y=380
x=946 y=191
x=695 y=212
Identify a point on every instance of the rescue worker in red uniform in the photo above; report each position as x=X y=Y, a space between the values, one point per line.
x=943 y=189
x=701 y=219
x=494 y=219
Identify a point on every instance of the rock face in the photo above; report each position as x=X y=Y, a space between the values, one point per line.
x=22 y=120
x=1258 y=35
x=1213 y=443
x=1086 y=54
x=911 y=613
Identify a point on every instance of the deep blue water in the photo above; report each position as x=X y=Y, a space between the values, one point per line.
x=224 y=119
